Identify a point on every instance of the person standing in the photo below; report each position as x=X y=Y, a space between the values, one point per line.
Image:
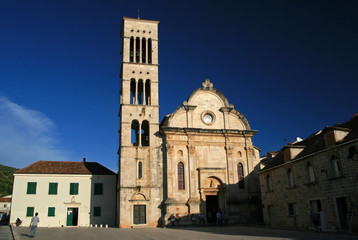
x=34 y=222
x=218 y=217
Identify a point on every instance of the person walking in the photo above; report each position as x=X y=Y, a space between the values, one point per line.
x=34 y=222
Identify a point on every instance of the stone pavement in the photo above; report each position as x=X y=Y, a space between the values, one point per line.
x=185 y=233
x=5 y=232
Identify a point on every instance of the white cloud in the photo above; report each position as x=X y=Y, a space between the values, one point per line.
x=26 y=136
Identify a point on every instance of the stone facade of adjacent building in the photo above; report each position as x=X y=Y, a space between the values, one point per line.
x=317 y=175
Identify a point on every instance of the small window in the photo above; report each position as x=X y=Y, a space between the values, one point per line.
x=240 y=173
x=52 y=188
x=310 y=171
x=98 y=188
x=97 y=211
x=269 y=184
x=51 y=212
x=140 y=170
x=351 y=152
x=329 y=138
x=31 y=187
x=30 y=211
x=181 y=180
x=291 y=209
x=289 y=178
x=73 y=188
x=287 y=155
x=336 y=167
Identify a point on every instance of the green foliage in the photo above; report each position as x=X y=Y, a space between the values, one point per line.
x=6 y=179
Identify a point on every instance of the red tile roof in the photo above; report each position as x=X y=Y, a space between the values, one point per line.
x=62 y=167
x=2 y=199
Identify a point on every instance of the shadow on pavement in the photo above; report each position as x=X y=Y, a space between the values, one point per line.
x=264 y=232
x=26 y=235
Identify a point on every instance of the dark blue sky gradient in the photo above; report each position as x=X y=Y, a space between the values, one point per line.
x=291 y=67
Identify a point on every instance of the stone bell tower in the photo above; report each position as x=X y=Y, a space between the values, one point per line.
x=140 y=179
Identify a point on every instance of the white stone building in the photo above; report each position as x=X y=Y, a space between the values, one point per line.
x=64 y=194
x=5 y=204
x=198 y=160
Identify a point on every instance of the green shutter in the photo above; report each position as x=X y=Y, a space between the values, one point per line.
x=31 y=187
x=74 y=188
x=52 y=189
x=51 y=212
x=98 y=188
x=30 y=212
x=97 y=211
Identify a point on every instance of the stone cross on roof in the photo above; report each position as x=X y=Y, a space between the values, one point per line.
x=207 y=84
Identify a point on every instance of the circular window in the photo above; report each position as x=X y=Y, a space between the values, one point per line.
x=208 y=117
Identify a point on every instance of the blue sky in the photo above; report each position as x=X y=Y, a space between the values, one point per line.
x=291 y=67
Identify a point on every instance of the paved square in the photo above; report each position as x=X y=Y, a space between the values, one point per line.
x=191 y=233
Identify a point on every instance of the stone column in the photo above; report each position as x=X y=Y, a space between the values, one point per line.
x=140 y=50
x=136 y=91
x=194 y=199
x=170 y=173
x=140 y=135
x=144 y=81
x=189 y=114
x=134 y=49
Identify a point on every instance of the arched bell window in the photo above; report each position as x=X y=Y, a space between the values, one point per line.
x=145 y=133
x=149 y=50
x=135 y=133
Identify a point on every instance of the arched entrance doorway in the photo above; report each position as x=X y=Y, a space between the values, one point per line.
x=212 y=198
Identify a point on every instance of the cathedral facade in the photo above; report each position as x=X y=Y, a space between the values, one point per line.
x=199 y=160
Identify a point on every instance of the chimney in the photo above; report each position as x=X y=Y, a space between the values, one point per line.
x=84 y=160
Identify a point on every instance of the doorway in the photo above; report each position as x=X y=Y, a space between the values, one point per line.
x=72 y=217
x=342 y=207
x=139 y=214
x=272 y=212
x=212 y=206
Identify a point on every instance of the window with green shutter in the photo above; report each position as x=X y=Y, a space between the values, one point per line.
x=31 y=188
x=30 y=211
x=52 y=189
x=73 y=188
x=51 y=212
x=97 y=211
x=98 y=188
